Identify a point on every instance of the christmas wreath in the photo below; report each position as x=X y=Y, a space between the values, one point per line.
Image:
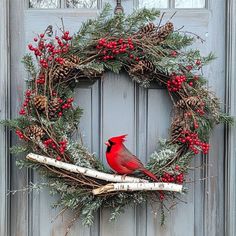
x=149 y=53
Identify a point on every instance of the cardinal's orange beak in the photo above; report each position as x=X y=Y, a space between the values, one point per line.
x=107 y=143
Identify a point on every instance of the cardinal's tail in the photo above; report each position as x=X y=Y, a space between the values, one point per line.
x=149 y=174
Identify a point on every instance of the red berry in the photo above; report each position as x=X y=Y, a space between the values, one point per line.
x=189 y=67
x=198 y=62
x=30 y=46
x=41 y=35
x=22 y=112
x=173 y=53
x=70 y=100
x=58 y=158
x=28 y=93
x=177 y=167
x=164 y=179
x=120 y=41
x=196 y=151
x=131 y=47
x=162 y=197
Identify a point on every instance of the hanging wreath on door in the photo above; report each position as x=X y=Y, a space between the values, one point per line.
x=149 y=53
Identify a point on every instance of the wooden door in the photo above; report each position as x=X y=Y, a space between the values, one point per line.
x=113 y=106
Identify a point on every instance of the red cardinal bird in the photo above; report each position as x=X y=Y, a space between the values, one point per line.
x=122 y=160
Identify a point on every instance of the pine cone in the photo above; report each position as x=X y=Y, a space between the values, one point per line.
x=40 y=102
x=61 y=72
x=192 y=102
x=150 y=27
x=163 y=32
x=177 y=126
x=75 y=59
x=53 y=107
x=69 y=64
x=34 y=132
x=148 y=65
x=141 y=67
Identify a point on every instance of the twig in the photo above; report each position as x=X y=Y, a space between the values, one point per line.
x=161 y=18
x=72 y=222
x=172 y=16
x=60 y=213
x=197 y=36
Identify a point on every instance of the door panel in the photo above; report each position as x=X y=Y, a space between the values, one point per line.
x=113 y=106
x=118 y=117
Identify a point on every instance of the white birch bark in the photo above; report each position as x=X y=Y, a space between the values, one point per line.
x=85 y=171
x=112 y=187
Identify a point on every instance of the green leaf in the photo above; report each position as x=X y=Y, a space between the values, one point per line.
x=114 y=66
x=30 y=67
x=17 y=149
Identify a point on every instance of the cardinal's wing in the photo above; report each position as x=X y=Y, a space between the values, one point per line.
x=128 y=160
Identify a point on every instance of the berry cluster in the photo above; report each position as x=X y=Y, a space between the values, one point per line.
x=62 y=146
x=41 y=79
x=66 y=36
x=68 y=103
x=65 y=106
x=49 y=143
x=200 y=110
x=170 y=178
x=179 y=179
x=20 y=134
x=175 y=82
x=22 y=111
x=196 y=65
x=47 y=52
x=109 y=49
x=193 y=142
x=192 y=80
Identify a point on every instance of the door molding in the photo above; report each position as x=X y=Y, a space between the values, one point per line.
x=4 y=114
x=230 y=138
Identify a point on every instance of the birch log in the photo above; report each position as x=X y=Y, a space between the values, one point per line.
x=85 y=171
x=138 y=187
